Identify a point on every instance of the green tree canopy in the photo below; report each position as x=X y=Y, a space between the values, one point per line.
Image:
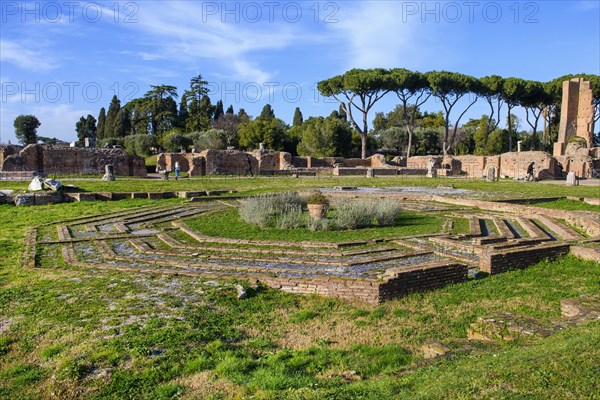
x=101 y=124
x=267 y=112
x=491 y=90
x=413 y=90
x=358 y=90
x=111 y=117
x=270 y=132
x=26 y=129
x=534 y=99
x=218 y=110
x=298 y=118
x=86 y=128
x=449 y=88
x=325 y=137
x=174 y=141
x=139 y=145
x=161 y=108
x=512 y=92
x=199 y=107
x=210 y=139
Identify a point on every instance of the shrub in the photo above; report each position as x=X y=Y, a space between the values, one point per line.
x=173 y=142
x=211 y=139
x=319 y=224
x=266 y=209
x=284 y=211
x=317 y=197
x=363 y=213
x=386 y=212
x=290 y=217
x=139 y=145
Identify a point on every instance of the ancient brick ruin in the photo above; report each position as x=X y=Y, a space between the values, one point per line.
x=157 y=239
x=68 y=160
x=576 y=114
x=263 y=162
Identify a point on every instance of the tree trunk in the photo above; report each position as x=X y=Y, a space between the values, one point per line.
x=363 y=152
x=363 y=141
x=408 y=147
x=445 y=145
x=509 y=130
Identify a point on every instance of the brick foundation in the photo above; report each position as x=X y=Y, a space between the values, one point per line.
x=495 y=262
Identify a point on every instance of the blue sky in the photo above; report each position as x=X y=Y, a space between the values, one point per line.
x=60 y=60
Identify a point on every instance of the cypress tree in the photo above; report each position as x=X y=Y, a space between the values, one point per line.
x=101 y=124
x=267 y=112
x=122 y=124
x=183 y=111
x=218 y=110
x=298 y=118
x=229 y=110
x=111 y=118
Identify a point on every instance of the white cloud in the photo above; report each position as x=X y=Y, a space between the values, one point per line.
x=181 y=32
x=373 y=34
x=26 y=56
x=57 y=120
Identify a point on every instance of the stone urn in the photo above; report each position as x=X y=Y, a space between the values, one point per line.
x=317 y=211
x=317 y=204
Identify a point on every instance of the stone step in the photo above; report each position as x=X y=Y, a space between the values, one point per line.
x=532 y=229
x=503 y=228
x=564 y=231
x=474 y=226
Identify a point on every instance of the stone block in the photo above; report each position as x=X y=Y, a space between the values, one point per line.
x=106 y=196
x=572 y=179
x=26 y=199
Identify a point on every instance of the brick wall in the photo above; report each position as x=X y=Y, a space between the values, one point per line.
x=396 y=283
x=418 y=279
x=495 y=262
x=69 y=160
x=192 y=163
x=229 y=162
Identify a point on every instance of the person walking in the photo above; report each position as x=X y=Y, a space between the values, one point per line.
x=177 y=168
x=530 y=172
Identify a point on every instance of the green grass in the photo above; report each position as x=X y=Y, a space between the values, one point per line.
x=569 y=205
x=247 y=185
x=228 y=224
x=76 y=333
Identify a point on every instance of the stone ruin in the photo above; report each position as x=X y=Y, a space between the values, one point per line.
x=574 y=149
x=576 y=115
x=157 y=239
x=265 y=162
x=67 y=160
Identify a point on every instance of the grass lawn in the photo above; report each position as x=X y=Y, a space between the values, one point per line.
x=567 y=204
x=246 y=185
x=76 y=333
x=227 y=223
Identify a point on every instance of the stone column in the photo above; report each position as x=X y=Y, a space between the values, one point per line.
x=108 y=173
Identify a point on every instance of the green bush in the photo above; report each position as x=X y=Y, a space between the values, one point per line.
x=284 y=211
x=364 y=213
x=139 y=145
x=269 y=209
x=173 y=142
x=317 y=197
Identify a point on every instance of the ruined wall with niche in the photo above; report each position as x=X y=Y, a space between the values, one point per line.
x=6 y=151
x=71 y=160
x=510 y=165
